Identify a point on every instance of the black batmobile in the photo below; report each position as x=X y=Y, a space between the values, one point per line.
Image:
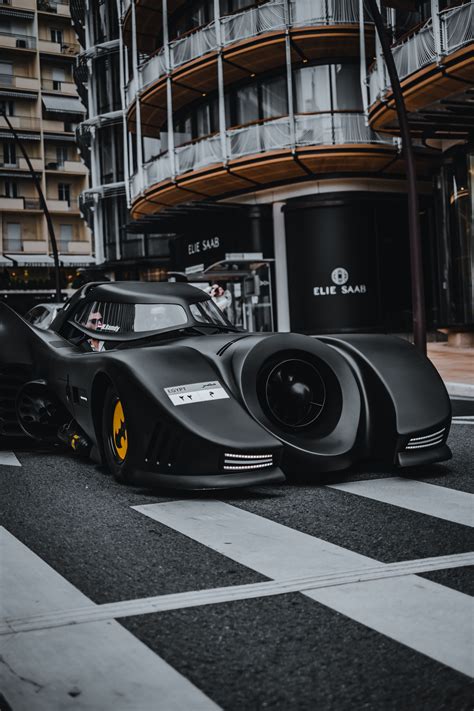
x=151 y=380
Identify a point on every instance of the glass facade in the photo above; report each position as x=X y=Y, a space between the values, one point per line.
x=321 y=88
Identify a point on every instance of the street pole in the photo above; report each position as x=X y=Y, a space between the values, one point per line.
x=414 y=231
x=44 y=207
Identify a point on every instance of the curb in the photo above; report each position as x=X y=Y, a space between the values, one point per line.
x=460 y=389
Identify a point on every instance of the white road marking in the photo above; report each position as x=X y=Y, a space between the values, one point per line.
x=213 y=596
x=98 y=665
x=9 y=459
x=425 y=616
x=463 y=421
x=438 y=501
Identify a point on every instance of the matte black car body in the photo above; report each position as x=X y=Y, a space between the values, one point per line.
x=289 y=403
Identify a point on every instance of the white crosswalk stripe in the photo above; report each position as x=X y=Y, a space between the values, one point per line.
x=98 y=665
x=448 y=504
x=418 y=613
x=9 y=459
x=213 y=596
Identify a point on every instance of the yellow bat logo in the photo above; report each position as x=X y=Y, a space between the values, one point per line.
x=120 y=431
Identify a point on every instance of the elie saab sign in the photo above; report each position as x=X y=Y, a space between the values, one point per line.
x=333 y=275
x=340 y=277
x=193 y=255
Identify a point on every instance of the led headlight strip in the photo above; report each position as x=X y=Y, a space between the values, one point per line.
x=429 y=440
x=241 y=462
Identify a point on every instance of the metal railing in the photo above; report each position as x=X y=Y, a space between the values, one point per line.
x=275 y=134
x=50 y=5
x=31 y=123
x=18 y=40
x=17 y=81
x=31 y=204
x=56 y=85
x=52 y=162
x=240 y=26
x=441 y=35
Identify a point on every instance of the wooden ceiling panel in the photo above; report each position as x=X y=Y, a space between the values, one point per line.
x=430 y=84
x=267 y=169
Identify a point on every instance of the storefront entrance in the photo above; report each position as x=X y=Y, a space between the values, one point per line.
x=243 y=291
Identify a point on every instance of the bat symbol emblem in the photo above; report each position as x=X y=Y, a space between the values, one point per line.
x=120 y=435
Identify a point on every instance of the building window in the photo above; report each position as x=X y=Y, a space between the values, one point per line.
x=8 y=107
x=59 y=75
x=62 y=154
x=13 y=236
x=327 y=87
x=10 y=189
x=9 y=153
x=65 y=237
x=64 y=192
x=246 y=105
x=56 y=36
x=6 y=73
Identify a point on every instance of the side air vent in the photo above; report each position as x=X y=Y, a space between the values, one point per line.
x=244 y=461
x=430 y=440
x=164 y=447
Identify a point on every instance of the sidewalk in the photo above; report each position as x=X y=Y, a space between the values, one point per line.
x=456 y=367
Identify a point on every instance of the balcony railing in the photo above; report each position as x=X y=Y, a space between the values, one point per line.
x=74 y=165
x=276 y=134
x=14 y=39
x=27 y=123
x=243 y=25
x=441 y=35
x=57 y=6
x=64 y=87
x=19 y=4
x=16 y=81
x=69 y=48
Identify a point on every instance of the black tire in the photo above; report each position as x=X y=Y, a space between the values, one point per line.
x=115 y=437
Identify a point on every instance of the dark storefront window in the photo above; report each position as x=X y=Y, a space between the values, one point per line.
x=455 y=222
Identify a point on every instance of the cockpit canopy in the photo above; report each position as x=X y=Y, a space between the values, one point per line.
x=115 y=313
x=110 y=317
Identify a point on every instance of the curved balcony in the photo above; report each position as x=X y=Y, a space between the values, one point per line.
x=89 y=198
x=260 y=155
x=148 y=16
x=431 y=65
x=253 y=41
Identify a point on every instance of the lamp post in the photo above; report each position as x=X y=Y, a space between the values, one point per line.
x=414 y=231
x=44 y=207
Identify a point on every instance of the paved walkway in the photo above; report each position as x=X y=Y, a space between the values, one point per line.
x=455 y=365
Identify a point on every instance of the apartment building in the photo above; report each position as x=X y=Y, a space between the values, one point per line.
x=262 y=136
x=38 y=49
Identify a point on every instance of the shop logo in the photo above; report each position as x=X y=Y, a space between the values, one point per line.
x=340 y=276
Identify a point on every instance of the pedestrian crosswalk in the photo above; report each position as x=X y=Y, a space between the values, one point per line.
x=463 y=420
x=448 y=504
x=97 y=665
x=9 y=459
x=416 y=612
x=61 y=650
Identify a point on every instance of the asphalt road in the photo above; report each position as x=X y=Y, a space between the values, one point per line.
x=77 y=540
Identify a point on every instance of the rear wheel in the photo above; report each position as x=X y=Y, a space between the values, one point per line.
x=115 y=437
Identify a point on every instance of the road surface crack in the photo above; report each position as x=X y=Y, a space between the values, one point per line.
x=37 y=686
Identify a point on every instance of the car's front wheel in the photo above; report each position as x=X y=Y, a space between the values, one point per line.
x=116 y=436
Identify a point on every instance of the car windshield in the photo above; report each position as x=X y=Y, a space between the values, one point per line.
x=208 y=312
x=110 y=317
